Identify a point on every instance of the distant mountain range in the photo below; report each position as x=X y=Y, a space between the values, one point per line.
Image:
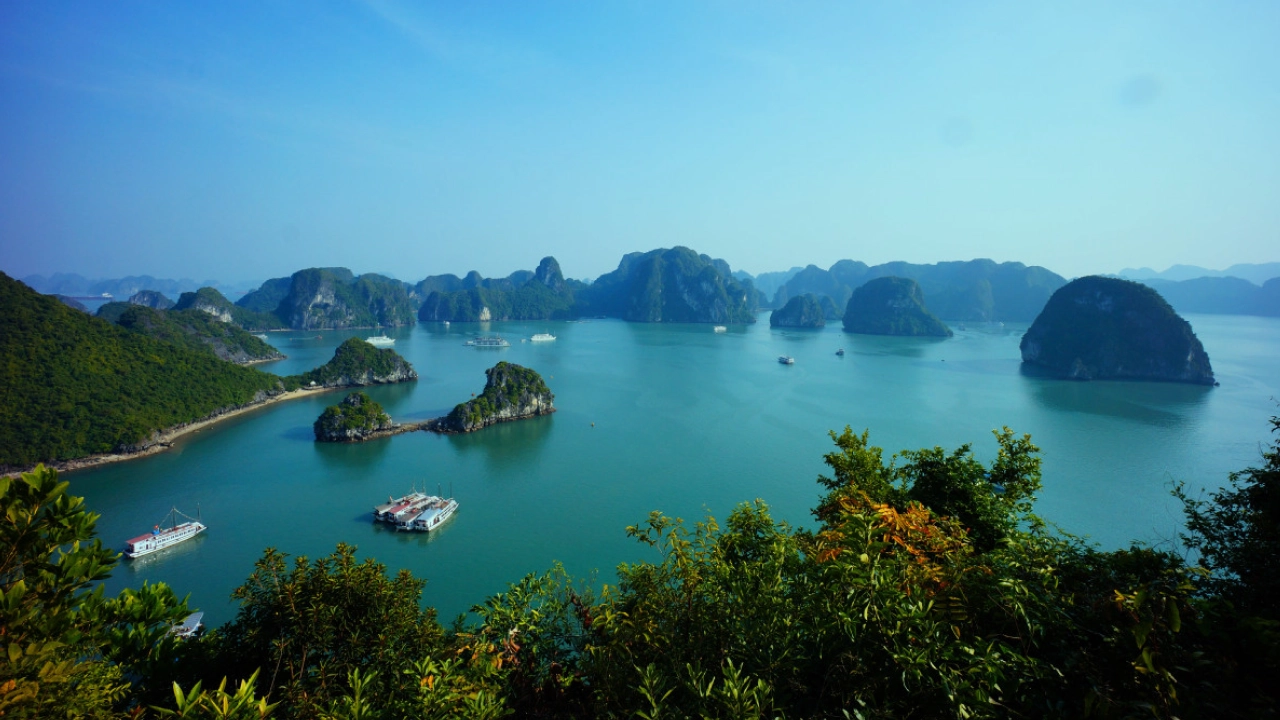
x=119 y=288
x=973 y=290
x=665 y=285
x=1258 y=274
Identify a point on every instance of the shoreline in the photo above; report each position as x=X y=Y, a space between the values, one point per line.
x=163 y=440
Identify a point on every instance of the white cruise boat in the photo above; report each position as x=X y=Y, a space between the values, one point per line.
x=160 y=538
x=435 y=514
x=392 y=508
x=720 y=329
x=489 y=341
x=261 y=336
x=542 y=337
x=380 y=340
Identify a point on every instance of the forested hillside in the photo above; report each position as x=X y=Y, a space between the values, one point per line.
x=76 y=385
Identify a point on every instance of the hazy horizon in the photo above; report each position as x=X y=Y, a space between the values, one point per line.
x=242 y=141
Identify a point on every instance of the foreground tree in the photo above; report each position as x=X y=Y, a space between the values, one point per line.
x=68 y=651
x=1237 y=535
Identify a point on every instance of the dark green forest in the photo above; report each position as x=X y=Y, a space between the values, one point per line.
x=76 y=385
x=928 y=589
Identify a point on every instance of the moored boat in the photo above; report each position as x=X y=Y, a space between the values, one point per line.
x=380 y=340
x=542 y=337
x=415 y=512
x=720 y=329
x=161 y=537
x=786 y=360
x=840 y=352
x=435 y=514
x=491 y=341
x=387 y=512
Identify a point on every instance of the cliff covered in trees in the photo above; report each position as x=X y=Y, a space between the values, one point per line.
x=973 y=290
x=78 y=386
x=891 y=306
x=354 y=419
x=357 y=363
x=1099 y=328
x=511 y=392
x=675 y=285
x=332 y=298
x=803 y=311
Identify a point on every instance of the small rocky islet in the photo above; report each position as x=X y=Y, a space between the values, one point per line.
x=511 y=392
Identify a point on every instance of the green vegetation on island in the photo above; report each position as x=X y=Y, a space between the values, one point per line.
x=193 y=329
x=928 y=588
x=355 y=418
x=542 y=295
x=973 y=290
x=356 y=362
x=891 y=306
x=331 y=298
x=803 y=311
x=511 y=392
x=208 y=300
x=1097 y=328
x=675 y=285
x=75 y=385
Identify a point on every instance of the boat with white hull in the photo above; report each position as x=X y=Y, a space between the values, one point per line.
x=542 y=337
x=490 y=341
x=434 y=515
x=415 y=512
x=161 y=537
x=380 y=341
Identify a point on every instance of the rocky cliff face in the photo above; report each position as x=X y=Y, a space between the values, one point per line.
x=1097 y=328
x=151 y=299
x=354 y=419
x=206 y=300
x=675 y=285
x=804 y=311
x=334 y=298
x=543 y=294
x=891 y=306
x=511 y=392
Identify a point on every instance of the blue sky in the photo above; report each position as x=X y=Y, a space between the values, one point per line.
x=246 y=140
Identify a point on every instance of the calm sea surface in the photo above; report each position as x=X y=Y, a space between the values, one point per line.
x=672 y=418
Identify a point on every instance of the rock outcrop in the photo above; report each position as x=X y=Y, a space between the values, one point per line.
x=891 y=306
x=332 y=297
x=543 y=294
x=511 y=392
x=802 y=311
x=206 y=300
x=675 y=285
x=1098 y=328
x=972 y=290
x=354 y=419
x=192 y=328
x=356 y=363
x=151 y=299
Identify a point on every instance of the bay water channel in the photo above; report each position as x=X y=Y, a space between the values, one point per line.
x=674 y=418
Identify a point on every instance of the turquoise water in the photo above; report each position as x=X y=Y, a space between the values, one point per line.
x=673 y=418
